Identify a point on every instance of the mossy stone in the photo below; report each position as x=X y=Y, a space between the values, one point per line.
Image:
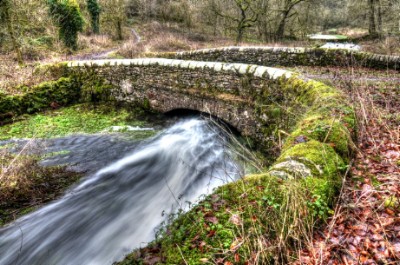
x=320 y=158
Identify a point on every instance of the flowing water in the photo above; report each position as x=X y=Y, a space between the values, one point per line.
x=119 y=207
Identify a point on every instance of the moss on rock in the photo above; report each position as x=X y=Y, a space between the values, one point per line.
x=321 y=160
x=326 y=130
x=62 y=92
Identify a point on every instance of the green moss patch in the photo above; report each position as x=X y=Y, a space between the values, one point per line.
x=63 y=92
x=259 y=219
x=82 y=118
x=319 y=157
x=331 y=131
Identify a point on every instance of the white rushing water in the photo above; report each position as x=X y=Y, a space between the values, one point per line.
x=118 y=208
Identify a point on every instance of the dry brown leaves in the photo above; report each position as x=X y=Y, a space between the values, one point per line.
x=366 y=226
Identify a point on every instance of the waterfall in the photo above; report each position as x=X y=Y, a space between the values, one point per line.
x=118 y=208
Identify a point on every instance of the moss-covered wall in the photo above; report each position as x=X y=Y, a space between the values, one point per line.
x=50 y=94
x=274 y=56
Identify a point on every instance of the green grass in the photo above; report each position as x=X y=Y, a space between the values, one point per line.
x=76 y=119
x=259 y=219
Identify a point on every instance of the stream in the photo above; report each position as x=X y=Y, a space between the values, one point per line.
x=119 y=207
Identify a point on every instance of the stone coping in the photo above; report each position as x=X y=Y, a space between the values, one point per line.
x=256 y=70
x=249 y=48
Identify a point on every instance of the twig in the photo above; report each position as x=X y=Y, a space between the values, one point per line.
x=180 y=251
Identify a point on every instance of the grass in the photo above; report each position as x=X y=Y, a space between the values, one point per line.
x=257 y=220
x=80 y=118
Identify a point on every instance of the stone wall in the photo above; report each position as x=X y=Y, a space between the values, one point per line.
x=277 y=56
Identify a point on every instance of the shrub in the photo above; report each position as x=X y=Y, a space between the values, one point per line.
x=94 y=11
x=68 y=17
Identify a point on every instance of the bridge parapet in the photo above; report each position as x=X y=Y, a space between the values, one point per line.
x=283 y=56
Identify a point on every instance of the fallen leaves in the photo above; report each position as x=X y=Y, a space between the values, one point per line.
x=366 y=229
x=211 y=219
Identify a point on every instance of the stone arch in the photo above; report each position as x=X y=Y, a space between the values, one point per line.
x=184 y=112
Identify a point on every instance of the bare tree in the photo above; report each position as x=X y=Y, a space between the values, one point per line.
x=286 y=13
x=248 y=15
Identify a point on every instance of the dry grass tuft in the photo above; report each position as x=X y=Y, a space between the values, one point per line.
x=24 y=184
x=15 y=172
x=13 y=76
x=388 y=45
x=163 y=41
x=95 y=43
x=169 y=43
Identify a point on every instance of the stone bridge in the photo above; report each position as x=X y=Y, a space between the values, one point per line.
x=267 y=104
x=307 y=125
x=231 y=83
x=230 y=92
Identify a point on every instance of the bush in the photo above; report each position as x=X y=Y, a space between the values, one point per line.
x=68 y=17
x=94 y=11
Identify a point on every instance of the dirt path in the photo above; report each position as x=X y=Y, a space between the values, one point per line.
x=366 y=226
x=106 y=53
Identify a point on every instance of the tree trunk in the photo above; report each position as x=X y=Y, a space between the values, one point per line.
x=239 y=37
x=11 y=32
x=96 y=29
x=280 y=32
x=119 y=30
x=240 y=26
x=380 y=27
x=372 y=25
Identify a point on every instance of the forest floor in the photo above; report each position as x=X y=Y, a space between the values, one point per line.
x=365 y=228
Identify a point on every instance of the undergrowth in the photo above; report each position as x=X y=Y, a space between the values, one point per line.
x=257 y=220
x=364 y=228
x=25 y=185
